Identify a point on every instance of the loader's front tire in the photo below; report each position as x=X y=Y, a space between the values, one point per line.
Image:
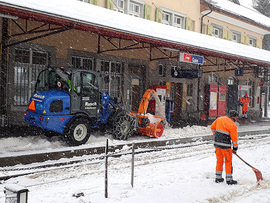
x=78 y=132
x=123 y=126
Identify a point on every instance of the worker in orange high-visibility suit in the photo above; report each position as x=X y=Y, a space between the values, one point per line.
x=225 y=131
x=244 y=101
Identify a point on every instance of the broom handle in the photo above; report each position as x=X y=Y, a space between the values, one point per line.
x=244 y=161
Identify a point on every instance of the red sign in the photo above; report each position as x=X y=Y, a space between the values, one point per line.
x=187 y=57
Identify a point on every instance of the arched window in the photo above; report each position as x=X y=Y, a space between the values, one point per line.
x=213 y=78
x=232 y=81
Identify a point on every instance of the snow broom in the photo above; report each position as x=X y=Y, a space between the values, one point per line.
x=257 y=172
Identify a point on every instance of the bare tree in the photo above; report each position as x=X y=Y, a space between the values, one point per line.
x=263 y=6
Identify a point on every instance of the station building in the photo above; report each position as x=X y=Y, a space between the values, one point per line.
x=205 y=55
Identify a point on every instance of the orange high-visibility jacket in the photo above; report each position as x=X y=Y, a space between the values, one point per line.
x=225 y=131
x=245 y=101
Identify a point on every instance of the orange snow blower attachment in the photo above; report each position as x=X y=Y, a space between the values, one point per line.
x=149 y=124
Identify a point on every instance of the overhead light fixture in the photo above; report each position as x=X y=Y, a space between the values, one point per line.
x=8 y=16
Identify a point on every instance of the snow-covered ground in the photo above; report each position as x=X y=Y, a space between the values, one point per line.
x=176 y=175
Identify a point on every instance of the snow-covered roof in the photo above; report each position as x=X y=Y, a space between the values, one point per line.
x=242 y=11
x=84 y=14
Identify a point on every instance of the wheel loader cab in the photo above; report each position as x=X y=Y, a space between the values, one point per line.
x=81 y=85
x=85 y=93
x=48 y=79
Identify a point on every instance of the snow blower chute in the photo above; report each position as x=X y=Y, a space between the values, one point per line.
x=148 y=124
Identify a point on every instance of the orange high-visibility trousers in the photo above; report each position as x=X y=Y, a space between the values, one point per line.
x=224 y=155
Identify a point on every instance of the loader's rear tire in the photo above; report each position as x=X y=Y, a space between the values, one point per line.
x=78 y=132
x=123 y=126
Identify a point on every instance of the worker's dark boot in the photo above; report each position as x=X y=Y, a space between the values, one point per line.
x=232 y=182
x=219 y=180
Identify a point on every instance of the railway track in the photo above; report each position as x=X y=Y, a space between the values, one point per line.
x=24 y=164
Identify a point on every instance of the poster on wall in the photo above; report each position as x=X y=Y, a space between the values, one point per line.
x=213 y=101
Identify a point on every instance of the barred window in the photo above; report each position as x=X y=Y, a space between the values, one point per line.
x=28 y=63
x=82 y=62
x=113 y=72
x=22 y=56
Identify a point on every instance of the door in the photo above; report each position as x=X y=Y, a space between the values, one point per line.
x=177 y=91
x=232 y=98
x=135 y=95
x=136 y=75
x=85 y=93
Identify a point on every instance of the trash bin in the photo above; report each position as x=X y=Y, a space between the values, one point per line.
x=16 y=194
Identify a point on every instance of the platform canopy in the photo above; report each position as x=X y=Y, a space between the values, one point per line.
x=87 y=17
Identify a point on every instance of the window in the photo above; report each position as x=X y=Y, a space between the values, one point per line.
x=267 y=75
x=112 y=74
x=259 y=72
x=231 y=81
x=119 y=6
x=252 y=42
x=83 y=63
x=216 y=32
x=178 y=21
x=39 y=58
x=166 y=18
x=161 y=70
x=212 y=78
x=170 y=17
x=130 y=7
x=28 y=64
x=236 y=37
x=88 y=83
x=134 y=9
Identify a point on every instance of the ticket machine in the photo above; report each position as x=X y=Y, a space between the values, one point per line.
x=215 y=100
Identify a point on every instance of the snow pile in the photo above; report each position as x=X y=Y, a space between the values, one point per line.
x=35 y=143
x=188 y=131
